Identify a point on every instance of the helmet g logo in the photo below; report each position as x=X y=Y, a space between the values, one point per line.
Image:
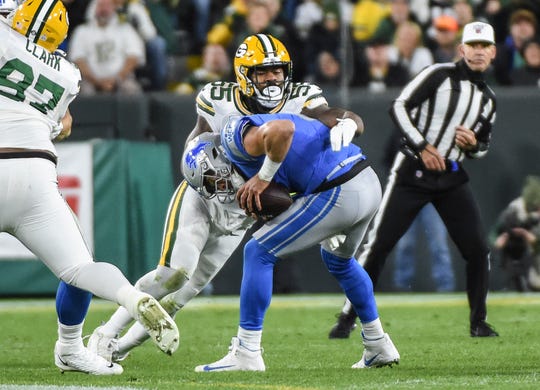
x=241 y=51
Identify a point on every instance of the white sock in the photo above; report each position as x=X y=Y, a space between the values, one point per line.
x=346 y=307
x=372 y=330
x=134 y=337
x=185 y=294
x=117 y=322
x=129 y=297
x=250 y=339
x=70 y=334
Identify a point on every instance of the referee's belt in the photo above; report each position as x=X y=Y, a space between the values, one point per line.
x=451 y=166
x=358 y=167
x=8 y=153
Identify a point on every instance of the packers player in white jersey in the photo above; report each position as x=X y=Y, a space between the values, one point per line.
x=36 y=87
x=201 y=234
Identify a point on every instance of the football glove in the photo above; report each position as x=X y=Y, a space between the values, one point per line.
x=342 y=133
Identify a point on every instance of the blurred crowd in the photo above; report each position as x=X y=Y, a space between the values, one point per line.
x=132 y=46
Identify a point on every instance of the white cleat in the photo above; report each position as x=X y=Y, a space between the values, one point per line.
x=159 y=325
x=239 y=358
x=378 y=353
x=79 y=358
x=105 y=346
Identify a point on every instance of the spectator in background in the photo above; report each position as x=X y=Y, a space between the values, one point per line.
x=376 y=72
x=324 y=44
x=135 y=13
x=366 y=16
x=444 y=45
x=201 y=19
x=464 y=13
x=441 y=7
x=77 y=15
x=256 y=18
x=196 y=17
x=421 y=11
x=328 y=70
x=518 y=237
x=522 y=27
x=528 y=75
x=215 y=66
x=107 y=52
x=400 y=12
x=221 y=32
x=307 y=14
x=497 y=13
x=429 y=224
x=408 y=49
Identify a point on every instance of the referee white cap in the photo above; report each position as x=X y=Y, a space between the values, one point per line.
x=478 y=32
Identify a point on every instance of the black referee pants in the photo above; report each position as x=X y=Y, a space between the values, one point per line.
x=409 y=188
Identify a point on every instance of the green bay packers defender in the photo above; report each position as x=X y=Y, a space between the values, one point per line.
x=201 y=234
x=37 y=84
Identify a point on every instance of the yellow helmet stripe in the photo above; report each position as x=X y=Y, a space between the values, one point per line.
x=38 y=21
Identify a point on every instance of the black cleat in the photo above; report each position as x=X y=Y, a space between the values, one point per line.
x=344 y=326
x=483 y=329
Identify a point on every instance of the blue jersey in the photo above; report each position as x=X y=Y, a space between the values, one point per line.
x=310 y=160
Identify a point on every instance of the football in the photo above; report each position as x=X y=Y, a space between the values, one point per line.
x=275 y=199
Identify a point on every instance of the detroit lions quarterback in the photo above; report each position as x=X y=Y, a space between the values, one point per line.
x=201 y=234
x=38 y=84
x=337 y=192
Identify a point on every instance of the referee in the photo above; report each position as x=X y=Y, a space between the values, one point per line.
x=445 y=114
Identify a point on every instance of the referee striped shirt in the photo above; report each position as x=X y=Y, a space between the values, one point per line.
x=440 y=98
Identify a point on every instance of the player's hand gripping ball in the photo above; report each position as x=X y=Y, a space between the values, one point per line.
x=275 y=199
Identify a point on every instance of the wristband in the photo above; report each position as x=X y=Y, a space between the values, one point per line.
x=268 y=169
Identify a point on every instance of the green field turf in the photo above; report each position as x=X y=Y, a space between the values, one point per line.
x=429 y=330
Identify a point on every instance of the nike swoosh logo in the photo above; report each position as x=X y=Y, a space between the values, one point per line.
x=368 y=362
x=209 y=368
x=61 y=361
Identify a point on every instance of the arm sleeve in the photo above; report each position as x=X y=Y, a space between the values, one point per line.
x=419 y=90
x=483 y=128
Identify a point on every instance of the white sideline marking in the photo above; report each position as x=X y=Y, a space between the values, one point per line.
x=300 y=300
x=50 y=387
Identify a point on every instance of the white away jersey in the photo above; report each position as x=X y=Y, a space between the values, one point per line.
x=220 y=100
x=36 y=88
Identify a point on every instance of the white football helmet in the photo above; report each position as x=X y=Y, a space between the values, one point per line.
x=206 y=168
